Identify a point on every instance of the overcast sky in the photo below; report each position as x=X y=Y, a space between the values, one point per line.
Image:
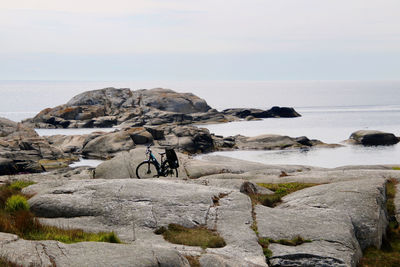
x=200 y=40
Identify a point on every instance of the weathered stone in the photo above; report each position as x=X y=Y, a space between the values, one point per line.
x=52 y=253
x=188 y=138
x=132 y=208
x=217 y=165
x=306 y=260
x=68 y=143
x=274 y=112
x=107 y=145
x=267 y=142
x=362 y=200
x=213 y=260
x=25 y=148
x=331 y=233
x=168 y=100
x=373 y=138
x=140 y=135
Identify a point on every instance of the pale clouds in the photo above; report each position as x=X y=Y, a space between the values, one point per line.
x=208 y=26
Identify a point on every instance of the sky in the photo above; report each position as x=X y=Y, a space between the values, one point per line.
x=200 y=40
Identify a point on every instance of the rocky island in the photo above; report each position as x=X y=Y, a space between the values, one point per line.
x=264 y=215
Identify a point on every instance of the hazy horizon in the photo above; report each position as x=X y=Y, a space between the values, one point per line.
x=188 y=40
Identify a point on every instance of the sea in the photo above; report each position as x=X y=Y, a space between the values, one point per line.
x=331 y=111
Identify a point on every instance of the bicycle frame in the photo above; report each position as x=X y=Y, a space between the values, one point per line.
x=153 y=159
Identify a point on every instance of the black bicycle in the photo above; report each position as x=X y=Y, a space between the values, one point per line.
x=151 y=168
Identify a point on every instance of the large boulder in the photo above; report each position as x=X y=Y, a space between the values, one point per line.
x=110 y=98
x=23 y=150
x=168 y=100
x=274 y=112
x=340 y=219
x=106 y=145
x=373 y=138
x=189 y=139
x=274 y=142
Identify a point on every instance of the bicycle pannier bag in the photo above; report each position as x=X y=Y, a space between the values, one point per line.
x=172 y=158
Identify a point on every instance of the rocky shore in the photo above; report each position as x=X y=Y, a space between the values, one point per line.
x=335 y=213
x=342 y=214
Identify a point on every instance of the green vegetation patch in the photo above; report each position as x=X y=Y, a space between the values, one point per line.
x=199 y=236
x=389 y=254
x=15 y=218
x=16 y=203
x=396 y=168
x=280 y=190
x=264 y=243
x=19 y=185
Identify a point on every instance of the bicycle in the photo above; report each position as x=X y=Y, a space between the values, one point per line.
x=151 y=168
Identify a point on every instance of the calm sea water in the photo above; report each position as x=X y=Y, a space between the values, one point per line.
x=331 y=111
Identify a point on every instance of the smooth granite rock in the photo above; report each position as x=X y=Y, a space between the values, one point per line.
x=362 y=200
x=53 y=253
x=133 y=208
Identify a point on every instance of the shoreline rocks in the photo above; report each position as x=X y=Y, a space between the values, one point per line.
x=109 y=107
x=341 y=216
x=23 y=150
x=373 y=138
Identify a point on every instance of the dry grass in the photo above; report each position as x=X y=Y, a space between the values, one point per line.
x=200 y=236
x=6 y=263
x=23 y=223
x=193 y=261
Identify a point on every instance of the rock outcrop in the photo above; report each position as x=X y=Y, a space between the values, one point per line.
x=135 y=208
x=91 y=254
x=23 y=150
x=338 y=218
x=110 y=106
x=373 y=138
x=274 y=112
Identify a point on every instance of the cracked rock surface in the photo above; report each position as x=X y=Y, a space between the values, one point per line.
x=135 y=208
x=339 y=219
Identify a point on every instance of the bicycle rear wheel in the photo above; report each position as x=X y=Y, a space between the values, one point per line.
x=168 y=172
x=146 y=170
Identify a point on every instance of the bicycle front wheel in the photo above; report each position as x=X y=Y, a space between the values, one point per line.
x=146 y=170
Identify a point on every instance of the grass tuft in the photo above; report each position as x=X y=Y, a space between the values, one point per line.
x=193 y=261
x=16 y=203
x=280 y=190
x=19 y=185
x=264 y=243
x=15 y=218
x=199 y=236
